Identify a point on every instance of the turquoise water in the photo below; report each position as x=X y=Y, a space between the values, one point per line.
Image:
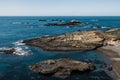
x=15 y=29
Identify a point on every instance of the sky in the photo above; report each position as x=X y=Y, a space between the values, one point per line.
x=59 y=7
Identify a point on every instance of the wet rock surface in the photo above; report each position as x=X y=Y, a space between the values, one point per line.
x=7 y=50
x=61 y=68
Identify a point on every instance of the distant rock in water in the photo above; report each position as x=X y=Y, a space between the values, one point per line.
x=7 y=50
x=70 y=23
x=42 y=20
x=61 y=68
x=99 y=27
x=57 y=20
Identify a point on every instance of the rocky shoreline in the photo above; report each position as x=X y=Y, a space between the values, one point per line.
x=82 y=41
x=114 y=55
x=107 y=42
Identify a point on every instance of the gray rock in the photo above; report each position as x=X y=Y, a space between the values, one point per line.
x=61 y=68
x=7 y=50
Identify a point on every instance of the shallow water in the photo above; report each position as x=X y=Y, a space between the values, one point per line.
x=15 y=29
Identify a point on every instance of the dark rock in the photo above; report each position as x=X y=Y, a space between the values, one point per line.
x=99 y=26
x=42 y=20
x=70 y=23
x=109 y=68
x=61 y=67
x=96 y=26
x=7 y=50
x=56 y=20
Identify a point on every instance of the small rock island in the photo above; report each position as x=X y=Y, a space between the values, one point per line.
x=61 y=68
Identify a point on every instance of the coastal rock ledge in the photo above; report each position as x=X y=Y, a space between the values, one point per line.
x=61 y=68
x=76 y=41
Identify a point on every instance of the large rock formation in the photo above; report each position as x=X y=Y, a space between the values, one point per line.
x=61 y=67
x=75 y=41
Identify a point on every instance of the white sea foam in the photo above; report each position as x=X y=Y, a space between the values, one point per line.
x=17 y=23
x=105 y=27
x=21 y=49
x=67 y=27
x=46 y=35
x=19 y=43
x=5 y=48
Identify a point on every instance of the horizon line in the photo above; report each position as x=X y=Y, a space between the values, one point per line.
x=55 y=15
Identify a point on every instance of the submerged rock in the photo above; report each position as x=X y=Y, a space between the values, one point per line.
x=61 y=67
x=70 y=23
x=42 y=20
x=7 y=50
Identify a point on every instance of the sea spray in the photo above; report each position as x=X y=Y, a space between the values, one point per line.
x=21 y=49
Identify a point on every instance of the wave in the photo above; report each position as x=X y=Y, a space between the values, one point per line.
x=5 y=48
x=16 y=22
x=19 y=43
x=21 y=49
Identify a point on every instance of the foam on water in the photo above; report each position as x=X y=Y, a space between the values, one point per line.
x=16 y=22
x=19 y=43
x=5 y=48
x=21 y=49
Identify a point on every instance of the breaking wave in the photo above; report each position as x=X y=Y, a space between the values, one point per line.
x=21 y=49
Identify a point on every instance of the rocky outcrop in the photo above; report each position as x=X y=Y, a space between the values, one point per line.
x=113 y=36
x=61 y=67
x=7 y=50
x=70 y=23
x=75 y=41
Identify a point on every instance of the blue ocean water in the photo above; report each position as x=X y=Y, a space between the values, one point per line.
x=15 y=29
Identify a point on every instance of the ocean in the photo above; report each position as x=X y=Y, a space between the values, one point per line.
x=15 y=29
